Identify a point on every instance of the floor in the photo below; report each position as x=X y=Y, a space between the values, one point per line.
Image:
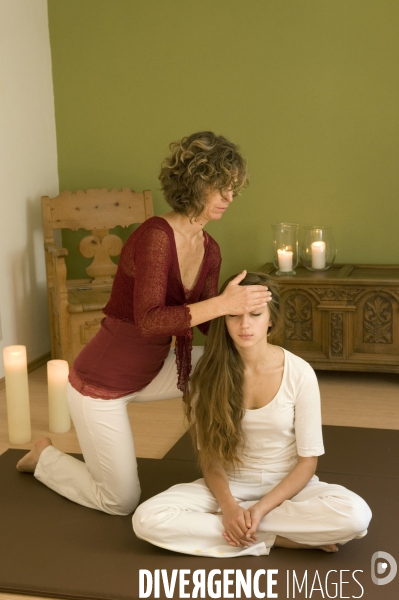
x=348 y=399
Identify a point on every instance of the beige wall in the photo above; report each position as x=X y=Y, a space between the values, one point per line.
x=28 y=169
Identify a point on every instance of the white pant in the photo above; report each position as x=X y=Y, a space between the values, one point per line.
x=183 y=518
x=107 y=480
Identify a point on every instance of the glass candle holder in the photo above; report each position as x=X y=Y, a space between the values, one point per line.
x=318 y=249
x=285 y=247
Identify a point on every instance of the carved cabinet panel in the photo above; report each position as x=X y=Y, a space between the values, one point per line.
x=337 y=335
x=346 y=318
x=298 y=317
x=377 y=323
x=377 y=320
x=302 y=322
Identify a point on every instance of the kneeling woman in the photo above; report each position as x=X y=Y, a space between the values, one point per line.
x=255 y=408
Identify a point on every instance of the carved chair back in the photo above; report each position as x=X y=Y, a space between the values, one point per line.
x=97 y=211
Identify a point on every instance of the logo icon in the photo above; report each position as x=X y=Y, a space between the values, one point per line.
x=382 y=567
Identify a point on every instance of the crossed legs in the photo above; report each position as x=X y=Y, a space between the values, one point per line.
x=187 y=519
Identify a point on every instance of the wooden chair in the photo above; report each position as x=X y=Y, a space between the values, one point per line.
x=75 y=306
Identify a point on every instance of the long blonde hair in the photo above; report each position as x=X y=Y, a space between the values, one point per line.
x=215 y=403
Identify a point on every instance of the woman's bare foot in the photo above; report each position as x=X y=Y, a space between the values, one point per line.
x=28 y=463
x=283 y=542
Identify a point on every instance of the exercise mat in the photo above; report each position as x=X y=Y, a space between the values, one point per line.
x=53 y=547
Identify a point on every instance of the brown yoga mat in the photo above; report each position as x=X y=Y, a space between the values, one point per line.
x=53 y=547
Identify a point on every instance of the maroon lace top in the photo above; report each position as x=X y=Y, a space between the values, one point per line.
x=148 y=305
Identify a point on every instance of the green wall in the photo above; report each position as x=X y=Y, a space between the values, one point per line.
x=308 y=88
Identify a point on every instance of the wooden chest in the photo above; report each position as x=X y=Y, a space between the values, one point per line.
x=345 y=318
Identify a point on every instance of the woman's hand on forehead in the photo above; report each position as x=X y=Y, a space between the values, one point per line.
x=240 y=299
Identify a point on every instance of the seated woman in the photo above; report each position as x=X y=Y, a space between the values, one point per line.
x=255 y=408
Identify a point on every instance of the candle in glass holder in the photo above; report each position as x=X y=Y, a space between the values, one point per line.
x=284 y=258
x=17 y=393
x=57 y=378
x=318 y=255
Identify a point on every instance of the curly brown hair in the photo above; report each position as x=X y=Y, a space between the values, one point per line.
x=197 y=164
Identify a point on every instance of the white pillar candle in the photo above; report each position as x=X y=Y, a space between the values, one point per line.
x=58 y=411
x=17 y=393
x=284 y=258
x=318 y=255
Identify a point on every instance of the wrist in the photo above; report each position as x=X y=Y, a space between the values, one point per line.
x=264 y=506
x=219 y=306
x=228 y=504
